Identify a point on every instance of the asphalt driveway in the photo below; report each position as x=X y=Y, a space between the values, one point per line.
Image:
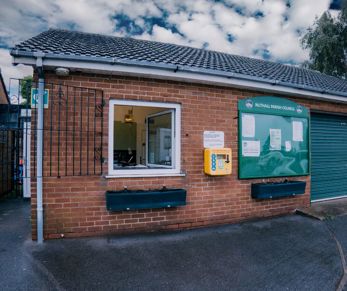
x=283 y=253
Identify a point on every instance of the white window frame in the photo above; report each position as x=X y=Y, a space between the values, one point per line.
x=176 y=155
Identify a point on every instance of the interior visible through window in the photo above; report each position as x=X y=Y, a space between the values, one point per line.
x=143 y=137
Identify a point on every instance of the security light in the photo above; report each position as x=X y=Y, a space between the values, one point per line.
x=62 y=72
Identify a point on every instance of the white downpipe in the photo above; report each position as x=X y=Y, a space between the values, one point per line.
x=39 y=160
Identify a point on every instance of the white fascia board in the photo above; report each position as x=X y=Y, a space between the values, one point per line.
x=184 y=76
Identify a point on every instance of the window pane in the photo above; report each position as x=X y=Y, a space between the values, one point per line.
x=160 y=139
x=142 y=137
x=125 y=140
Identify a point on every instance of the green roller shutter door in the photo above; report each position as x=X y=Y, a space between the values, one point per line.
x=328 y=156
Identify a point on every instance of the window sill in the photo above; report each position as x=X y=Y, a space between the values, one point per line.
x=145 y=175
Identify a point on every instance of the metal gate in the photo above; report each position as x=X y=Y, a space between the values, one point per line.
x=7 y=164
x=328 y=156
x=73 y=134
x=10 y=143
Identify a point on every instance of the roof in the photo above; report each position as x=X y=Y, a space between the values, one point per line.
x=73 y=45
x=4 y=99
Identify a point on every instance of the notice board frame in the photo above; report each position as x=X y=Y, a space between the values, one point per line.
x=274 y=107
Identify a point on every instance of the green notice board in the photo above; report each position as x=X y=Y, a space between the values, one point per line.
x=273 y=138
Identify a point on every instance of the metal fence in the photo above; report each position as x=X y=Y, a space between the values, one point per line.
x=72 y=132
x=8 y=162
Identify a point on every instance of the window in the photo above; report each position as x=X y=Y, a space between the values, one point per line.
x=144 y=138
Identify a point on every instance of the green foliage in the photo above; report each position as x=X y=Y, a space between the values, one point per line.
x=25 y=88
x=327 y=42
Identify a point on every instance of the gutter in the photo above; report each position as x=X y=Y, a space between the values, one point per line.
x=177 y=72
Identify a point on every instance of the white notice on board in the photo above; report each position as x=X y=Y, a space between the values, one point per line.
x=248 y=125
x=298 y=134
x=213 y=139
x=275 y=139
x=288 y=145
x=251 y=148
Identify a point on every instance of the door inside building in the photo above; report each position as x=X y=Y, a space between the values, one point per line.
x=328 y=156
x=160 y=143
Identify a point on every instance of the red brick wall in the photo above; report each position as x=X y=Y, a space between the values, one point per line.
x=75 y=206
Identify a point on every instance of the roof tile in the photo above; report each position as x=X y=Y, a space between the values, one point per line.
x=72 y=43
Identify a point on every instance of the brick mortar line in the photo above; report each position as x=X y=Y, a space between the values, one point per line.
x=192 y=98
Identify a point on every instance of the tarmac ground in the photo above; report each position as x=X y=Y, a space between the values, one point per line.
x=284 y=253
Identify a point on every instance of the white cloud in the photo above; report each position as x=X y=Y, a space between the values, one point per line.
x=199 y=28
x=303 y=13
x=21 y=19
x=198 y=22
x=87 y=17
x=9 y=71
x=228 y=18
x=270 y=32
x=164 y=35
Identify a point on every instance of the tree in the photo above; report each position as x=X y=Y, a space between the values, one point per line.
x=327 y=42
x=25 y=88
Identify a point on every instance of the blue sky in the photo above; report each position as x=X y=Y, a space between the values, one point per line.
x=268 y=29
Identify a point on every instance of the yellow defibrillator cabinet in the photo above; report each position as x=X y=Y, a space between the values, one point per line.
x=217 y=162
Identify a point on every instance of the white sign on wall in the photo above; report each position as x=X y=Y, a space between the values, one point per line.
x=213 y=139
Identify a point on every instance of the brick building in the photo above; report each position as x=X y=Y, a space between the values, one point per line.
x=136 y=111
x=4 y=99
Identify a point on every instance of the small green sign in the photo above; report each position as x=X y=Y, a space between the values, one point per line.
x=35 y=97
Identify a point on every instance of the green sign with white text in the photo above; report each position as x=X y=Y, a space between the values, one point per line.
x=273 y=138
